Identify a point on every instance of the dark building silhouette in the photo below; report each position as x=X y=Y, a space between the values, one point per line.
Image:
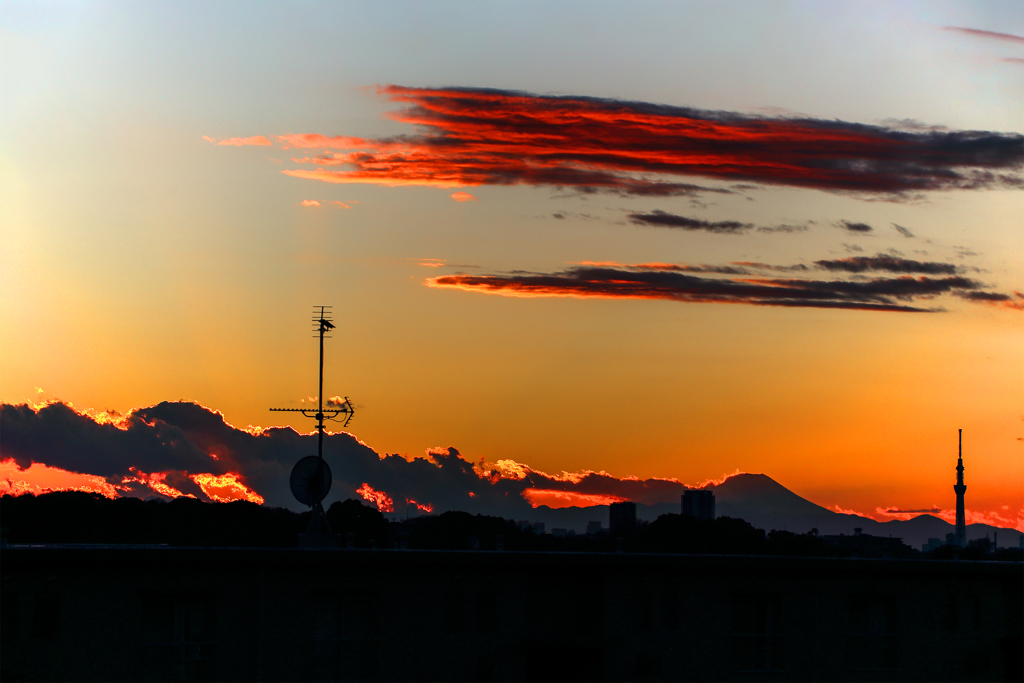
x=621 y=517
x=699 y=503
x=865 y=545
x=984 y=545
x=960 y=488
x=216 y=614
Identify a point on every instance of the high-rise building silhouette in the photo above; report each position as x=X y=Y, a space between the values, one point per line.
x=622 y=517
x=960 y=488
x=699 y=503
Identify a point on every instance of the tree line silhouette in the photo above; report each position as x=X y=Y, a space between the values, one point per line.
x=88 y=518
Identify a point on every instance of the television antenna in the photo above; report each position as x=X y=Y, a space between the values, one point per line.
x=311 y=477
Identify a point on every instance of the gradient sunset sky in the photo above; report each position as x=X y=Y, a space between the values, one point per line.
x=671 y=240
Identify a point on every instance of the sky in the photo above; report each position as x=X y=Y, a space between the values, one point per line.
x=656 y=240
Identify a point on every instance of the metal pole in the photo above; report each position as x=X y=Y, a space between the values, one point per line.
x=320 y=394
x=318 y=521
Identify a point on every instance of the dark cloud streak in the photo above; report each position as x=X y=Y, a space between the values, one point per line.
x=886 y=263
x=663 y=219
x=639 y=282
x=851 y=226
x=785 y=227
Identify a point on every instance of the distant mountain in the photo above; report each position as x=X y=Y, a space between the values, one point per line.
x=768 y=505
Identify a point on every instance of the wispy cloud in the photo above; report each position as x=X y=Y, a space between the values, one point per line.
x=886 y=263
x=663 y=219
x=1013 y=301
x=736 y=269
x=463 y=197
x=784 y=227
x=851 y=226
x=897 y=511
x=316 y=141
x=328 y=202
x=473 y=137
x=990 y=35
x=902 y=230
x=844 y=511
x=257 y=140
x=757 y=265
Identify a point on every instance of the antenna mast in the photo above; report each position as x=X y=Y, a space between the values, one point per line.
x=311 y=477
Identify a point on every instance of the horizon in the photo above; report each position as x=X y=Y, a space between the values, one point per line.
x=581 y=489
x=577 y=253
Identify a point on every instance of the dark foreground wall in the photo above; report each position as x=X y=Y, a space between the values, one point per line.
x=296 y=615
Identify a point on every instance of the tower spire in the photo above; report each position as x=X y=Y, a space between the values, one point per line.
x=960 y=488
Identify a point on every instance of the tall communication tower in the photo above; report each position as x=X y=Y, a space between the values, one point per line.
x=960 y=488
x=311 y=477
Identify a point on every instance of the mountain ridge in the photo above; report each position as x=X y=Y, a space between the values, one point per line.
x=768 y=505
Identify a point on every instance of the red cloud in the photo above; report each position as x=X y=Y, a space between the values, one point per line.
x=489 y=137
x=224 y=488
x=38 y=478
x=843 y=511
x=463 y=197
x=335 y=204
x=564 y=499
x=424 y=177
x=315 y=141
x=382 y=500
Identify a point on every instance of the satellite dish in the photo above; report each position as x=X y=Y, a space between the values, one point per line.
x=311 y=480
